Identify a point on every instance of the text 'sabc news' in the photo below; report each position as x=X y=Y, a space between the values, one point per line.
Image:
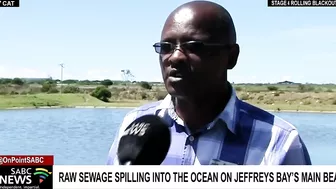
x=23 y=172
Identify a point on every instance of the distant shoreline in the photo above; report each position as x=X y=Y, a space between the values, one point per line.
x=115 y=107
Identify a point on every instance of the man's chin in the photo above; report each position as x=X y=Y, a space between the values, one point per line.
x=177 y=92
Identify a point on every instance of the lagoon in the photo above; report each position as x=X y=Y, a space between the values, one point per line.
x=82 y=136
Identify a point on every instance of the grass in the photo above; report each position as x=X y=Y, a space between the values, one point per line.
x=62 y=100
x=271 y=97
x=308 y=101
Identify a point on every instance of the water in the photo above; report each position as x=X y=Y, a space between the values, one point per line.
x=84 y=136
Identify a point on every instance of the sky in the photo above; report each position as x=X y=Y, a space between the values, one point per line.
x=98 y=39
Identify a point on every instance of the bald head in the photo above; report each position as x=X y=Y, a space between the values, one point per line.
x=210 y=18
x=197 y=47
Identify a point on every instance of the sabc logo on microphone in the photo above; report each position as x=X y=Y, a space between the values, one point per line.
x=137 y=128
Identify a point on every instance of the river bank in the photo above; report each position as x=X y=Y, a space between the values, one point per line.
x=134 y=104
x=129 y=107
x=281 y=102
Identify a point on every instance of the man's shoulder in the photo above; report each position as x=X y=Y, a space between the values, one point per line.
x=264 y=117
x=146 y=109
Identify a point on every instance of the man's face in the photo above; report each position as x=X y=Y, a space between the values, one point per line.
x=191 y=69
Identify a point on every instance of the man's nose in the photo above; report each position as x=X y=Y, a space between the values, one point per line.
x=178 y=56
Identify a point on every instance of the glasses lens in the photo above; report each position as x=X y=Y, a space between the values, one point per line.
x=157 y=48
x=194 y=46
x=165 y=48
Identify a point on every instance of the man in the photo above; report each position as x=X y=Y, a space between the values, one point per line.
x=209 y=124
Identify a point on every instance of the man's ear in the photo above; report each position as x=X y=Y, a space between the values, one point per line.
x=233 y=56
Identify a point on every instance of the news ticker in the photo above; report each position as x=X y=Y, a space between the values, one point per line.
x=302 y=3
x=33 y=172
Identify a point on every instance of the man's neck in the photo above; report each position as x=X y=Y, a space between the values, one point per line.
x=197 y=112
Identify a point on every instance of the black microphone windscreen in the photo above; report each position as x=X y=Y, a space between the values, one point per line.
x=145 y=141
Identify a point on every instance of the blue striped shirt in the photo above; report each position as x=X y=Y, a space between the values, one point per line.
x=242 y=135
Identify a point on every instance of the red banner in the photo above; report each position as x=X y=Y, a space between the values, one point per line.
x=26 y=160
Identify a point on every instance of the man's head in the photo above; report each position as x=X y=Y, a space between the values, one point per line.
x=206 y=48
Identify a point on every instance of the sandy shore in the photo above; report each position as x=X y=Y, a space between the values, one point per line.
x=114 y=107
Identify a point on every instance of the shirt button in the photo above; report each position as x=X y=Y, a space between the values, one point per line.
x=191 y=138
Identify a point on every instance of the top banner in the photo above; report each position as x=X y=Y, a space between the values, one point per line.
x=302 y=3
x=9 y=3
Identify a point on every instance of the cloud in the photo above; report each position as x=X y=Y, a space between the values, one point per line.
x=305 y=35
x=309 y=34
x=241 y=78
x=286 y=78
x=7 y=71
x=11 y=72
x=100 y=74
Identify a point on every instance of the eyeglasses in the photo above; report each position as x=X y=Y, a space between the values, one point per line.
x=190 y=46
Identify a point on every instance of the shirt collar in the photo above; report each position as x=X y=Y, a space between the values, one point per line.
x=228 y=115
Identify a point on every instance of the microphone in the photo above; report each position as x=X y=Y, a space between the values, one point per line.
x=145 y=141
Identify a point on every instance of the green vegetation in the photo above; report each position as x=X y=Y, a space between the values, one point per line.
x=15 y=93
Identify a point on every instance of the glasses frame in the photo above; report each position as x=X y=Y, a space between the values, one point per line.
x=174 y=47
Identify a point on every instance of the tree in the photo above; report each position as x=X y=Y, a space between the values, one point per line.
x=5 y=81
x=102 y=93
x=145 y=85
x=17 y=81
x=106 y=82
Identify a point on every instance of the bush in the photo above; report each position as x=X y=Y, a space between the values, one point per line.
x=161 y=95
x=53 y=90
x=238 y=88
x=277 y=94
x=306 y=102
x=102 y=93
x=272 y=88
x=269 y=101
x=329 y=90
x=47 y=86
x=304 y=88
x=245 y=96
x=34 y=90
x=260 y=97
x=145 y=85
x=144 y=95
x=334 y=102
x=71 y=89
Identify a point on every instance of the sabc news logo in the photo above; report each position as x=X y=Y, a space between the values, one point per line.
x=42 y=174
x=26 y=171
x=24 y=176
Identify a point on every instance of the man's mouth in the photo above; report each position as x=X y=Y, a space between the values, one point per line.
x=175 y=79
x=176 y=74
